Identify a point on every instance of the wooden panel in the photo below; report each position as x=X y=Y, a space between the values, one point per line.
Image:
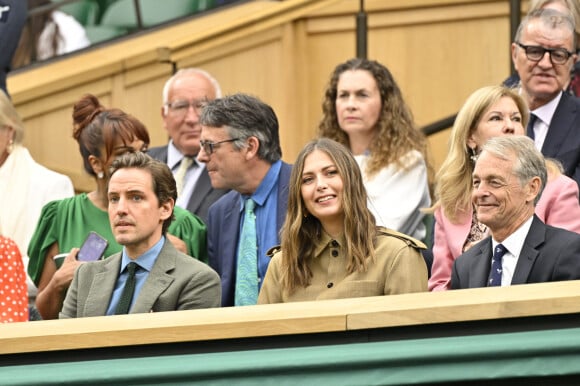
x=283 y=52
x=466 y=305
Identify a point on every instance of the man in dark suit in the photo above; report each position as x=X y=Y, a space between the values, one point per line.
x=240 y=145
x=184 y=95
x=12 y=19
x=149 y=275
x=508 y=179
x=543 y=54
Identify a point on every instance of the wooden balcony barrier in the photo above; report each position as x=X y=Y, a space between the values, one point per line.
x=512 y=334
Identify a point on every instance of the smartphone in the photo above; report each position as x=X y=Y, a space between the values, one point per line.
x=93 y=248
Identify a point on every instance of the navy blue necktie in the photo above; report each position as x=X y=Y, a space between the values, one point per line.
x=530 y=129
x=496 y=267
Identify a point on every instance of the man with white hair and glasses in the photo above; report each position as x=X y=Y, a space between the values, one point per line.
x=184 y=96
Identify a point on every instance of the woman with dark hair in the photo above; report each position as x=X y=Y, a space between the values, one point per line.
x=364 y=110
x=331 y=247
x=48 y=34
x=102 y=135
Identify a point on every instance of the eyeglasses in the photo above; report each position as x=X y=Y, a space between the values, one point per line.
x=536 y=53
x=181 y=107
x=209 y=146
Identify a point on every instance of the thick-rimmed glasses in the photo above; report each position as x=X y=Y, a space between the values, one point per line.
x=209 y=146
x=536 y=53
x=181 y=107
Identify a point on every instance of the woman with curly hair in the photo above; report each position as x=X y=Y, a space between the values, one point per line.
x=331 y=247
x=103 y=135
x=364 y=110
x=489 y=112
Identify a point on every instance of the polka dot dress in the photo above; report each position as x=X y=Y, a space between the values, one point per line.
x=13 y=291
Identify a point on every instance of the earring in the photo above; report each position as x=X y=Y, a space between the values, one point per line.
x=10 y=147
x=100 y=175
x=473 y=155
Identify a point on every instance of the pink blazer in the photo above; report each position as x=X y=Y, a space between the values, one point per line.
x=558 y=206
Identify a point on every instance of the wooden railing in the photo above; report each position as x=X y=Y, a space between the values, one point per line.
x=484 y=314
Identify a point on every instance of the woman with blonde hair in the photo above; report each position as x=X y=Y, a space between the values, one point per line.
x=25 y=185
x=488 y=112
x=364 y=110
x=331 y=247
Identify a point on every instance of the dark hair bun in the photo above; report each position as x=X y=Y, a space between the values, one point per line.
x=84 y=111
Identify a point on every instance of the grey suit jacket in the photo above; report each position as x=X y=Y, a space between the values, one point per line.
x=548 y=254
x=176 y=282
x=203 y=194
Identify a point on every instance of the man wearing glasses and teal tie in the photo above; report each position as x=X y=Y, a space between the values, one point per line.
x=240 y=146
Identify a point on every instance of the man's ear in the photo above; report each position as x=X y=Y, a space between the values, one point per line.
x=252 y=147
x=515 y=55
x=534 y=186
x=166 y=209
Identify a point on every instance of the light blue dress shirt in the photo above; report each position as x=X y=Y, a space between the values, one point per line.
x=145 y=263
x=266 y=199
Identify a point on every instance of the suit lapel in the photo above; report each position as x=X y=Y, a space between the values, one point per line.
x=201 y=190
x=536 y=236
x=157 y=281
x=479 y=271
x=559 y=130
x=102 y=287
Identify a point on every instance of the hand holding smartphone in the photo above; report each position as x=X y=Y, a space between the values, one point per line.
x=93 y=248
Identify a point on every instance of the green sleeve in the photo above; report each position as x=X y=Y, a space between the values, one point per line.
x=44 y=236
x=192 y=230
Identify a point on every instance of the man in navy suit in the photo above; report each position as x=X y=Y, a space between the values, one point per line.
x=240 y=146
x=543 y=54
x=184 y=95
x=508 y=179
x=12 y=19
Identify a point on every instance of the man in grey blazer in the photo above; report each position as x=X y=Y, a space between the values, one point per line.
x=508 y=179
x=184 y=95
x=141 y=195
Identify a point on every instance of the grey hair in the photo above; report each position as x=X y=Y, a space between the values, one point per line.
x=530 y=162
x=552 y=19
x=185 y=72
x=245 y=116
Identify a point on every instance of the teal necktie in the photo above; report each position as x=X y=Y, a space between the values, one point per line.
x=247 y=269
x=127 y=295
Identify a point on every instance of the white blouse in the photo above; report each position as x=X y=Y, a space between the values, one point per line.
x=396 y=195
